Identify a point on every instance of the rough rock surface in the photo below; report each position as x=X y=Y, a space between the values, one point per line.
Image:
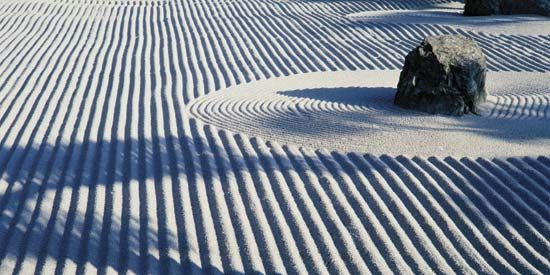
x=494 y=7
x=444 y=75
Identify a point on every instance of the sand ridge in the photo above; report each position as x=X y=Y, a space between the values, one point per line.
x=106 y=168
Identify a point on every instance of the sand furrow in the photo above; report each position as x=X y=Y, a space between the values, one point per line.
x=170 y=136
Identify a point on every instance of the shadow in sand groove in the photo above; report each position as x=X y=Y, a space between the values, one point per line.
x=94 y=208
x=101 y=169
x=105 y=235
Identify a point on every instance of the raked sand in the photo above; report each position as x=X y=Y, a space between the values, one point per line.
x=258 y=136
x=353 y=111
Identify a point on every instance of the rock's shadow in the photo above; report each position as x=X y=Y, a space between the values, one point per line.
x=379 y=100
x=358 y=96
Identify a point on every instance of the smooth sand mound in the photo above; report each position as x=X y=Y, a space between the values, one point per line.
x=354 y=112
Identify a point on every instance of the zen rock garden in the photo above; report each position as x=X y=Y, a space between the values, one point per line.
x=444 y=75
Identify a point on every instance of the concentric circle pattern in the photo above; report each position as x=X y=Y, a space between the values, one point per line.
x=354 y=112
x=258 y=137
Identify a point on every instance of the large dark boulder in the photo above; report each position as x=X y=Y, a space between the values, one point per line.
x=444 y=75
x=494 y=7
